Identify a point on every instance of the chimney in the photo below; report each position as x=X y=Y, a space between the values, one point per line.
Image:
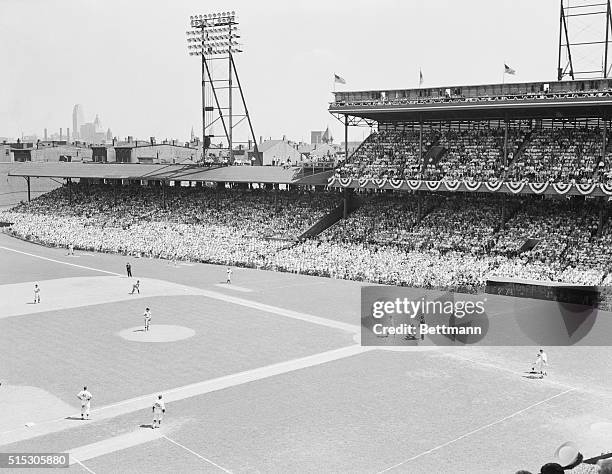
x=249 y=144
x=67 y=134
x=61 y=134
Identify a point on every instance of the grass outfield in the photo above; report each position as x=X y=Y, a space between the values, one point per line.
x=269 y=378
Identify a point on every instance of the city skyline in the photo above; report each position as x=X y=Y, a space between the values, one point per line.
x=134 y=70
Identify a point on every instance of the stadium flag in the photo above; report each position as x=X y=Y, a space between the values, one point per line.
x=420 y=77
x=338 y=79
x=509 y=70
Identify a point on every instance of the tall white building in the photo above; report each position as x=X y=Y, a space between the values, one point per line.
x=78 y=119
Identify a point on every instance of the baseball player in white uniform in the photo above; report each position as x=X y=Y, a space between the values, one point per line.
x=229 y=275
x=36 y=294
x=147 y=319
x=159 y=408
x=541 y=363
x=85 y=397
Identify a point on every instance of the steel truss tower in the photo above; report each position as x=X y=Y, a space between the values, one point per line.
x=576 y=50
x=213 y=37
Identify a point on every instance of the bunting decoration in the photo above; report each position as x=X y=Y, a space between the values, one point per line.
x=474 y=186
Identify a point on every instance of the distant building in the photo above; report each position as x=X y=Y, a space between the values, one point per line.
x=6 y=154
x=48 y=152
x=132 y=151
x=315 y=137
x=321 y=136
x=278 y=153
x=78 y=119
x=92 y=132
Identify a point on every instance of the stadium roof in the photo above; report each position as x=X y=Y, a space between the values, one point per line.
x=519 y=101
x=568 y=108
x=235 y=174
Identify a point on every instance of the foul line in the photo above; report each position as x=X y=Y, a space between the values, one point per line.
x=351 y=328
x=229 y=286
x=196 y=454
x=505 y=369
x=59 y=261
x=266 y=308
x=429 y=451
x=181 y=393
x=82 y=465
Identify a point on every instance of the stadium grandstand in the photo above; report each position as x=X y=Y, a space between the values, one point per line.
x=455 y=186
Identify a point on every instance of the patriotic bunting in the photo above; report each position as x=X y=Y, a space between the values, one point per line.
x=396 y=183
x=433 y=185
x=452 y=185
x=606 y=189
x=585 y=189
x=472 y=186
x=561 y=188
x=494 y=185
x=538 y=188
x=515 y=187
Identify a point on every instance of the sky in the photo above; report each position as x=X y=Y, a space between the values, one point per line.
x=127 y=60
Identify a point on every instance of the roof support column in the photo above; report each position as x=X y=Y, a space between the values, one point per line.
x=345 y=202
x=506 y=142
x=28 y=181
x=603 y=215
x=604 y=137
x=345 y=139
x=421 y=140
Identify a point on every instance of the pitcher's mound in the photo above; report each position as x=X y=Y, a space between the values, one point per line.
x=157 y=333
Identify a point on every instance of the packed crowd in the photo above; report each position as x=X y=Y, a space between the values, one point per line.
x=559 y=155
x=251 y=212
x=389 y=154
x=448 y=242
x=477 y=154
x=199 y=224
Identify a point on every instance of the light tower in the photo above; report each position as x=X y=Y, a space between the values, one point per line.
x=213 y=37
x=585 y=53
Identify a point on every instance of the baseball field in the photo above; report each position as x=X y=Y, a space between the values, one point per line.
x=266 y=375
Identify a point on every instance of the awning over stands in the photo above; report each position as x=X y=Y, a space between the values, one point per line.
x=234 y=174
